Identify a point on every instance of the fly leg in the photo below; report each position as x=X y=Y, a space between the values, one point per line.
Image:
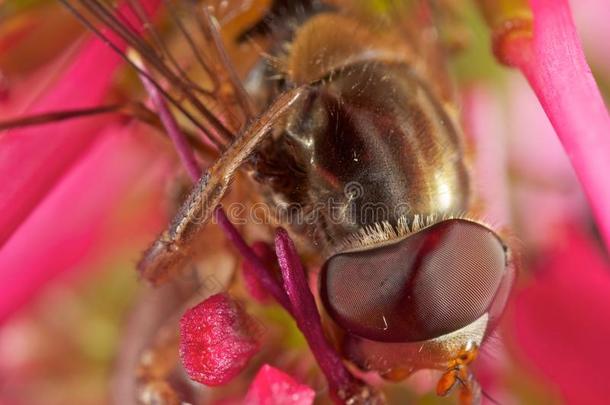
x=155 y=367
x=458 y=372
x=134 y=110
x=147 y=369
x=171 y=251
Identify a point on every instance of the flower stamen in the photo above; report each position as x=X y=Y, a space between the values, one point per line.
x=550 y=56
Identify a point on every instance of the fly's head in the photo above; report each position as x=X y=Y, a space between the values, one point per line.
x=424 y=300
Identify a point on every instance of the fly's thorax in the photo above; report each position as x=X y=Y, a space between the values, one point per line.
x=369 y=143
x=329 y=42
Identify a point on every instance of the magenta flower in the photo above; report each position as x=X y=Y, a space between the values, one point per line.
x=47 y=244
x=552 y=60
x=273 y=387
x=566 y=306
x=39 y=168
x=33 y=162
x=89 y=192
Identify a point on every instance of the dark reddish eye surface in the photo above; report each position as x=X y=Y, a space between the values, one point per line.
x=435 y=281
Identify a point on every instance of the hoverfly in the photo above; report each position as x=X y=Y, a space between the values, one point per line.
x=348 y=117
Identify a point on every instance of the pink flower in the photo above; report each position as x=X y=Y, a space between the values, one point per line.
x=28 y=171
x=274 y=387
x=552 y=60
x=560 y=323
x=73 y=224
x=37 y=181
x=557 y=324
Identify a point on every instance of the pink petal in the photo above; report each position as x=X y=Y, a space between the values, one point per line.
x=33 y=159
x=274 y=387
x=72 y=222
x=561 y=320
x=554 y=64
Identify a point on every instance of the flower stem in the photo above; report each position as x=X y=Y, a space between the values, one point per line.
x=550 y=56
x=343 y=386
x=264 y=275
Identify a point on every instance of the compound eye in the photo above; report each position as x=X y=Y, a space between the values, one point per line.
x=433 y=282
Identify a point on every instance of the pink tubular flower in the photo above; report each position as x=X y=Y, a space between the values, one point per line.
x=553 y=62
x=72 y=223
x=33 y=159
x=274 y=387
x=556 y=327
x=34 y=162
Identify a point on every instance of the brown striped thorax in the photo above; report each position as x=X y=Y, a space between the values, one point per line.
x=369 y=167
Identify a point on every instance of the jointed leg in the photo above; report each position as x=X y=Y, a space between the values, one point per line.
x=172 y=249
x=458 y=372
x=155 y=366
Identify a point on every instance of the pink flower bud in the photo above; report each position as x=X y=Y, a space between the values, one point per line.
x=217 y=339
